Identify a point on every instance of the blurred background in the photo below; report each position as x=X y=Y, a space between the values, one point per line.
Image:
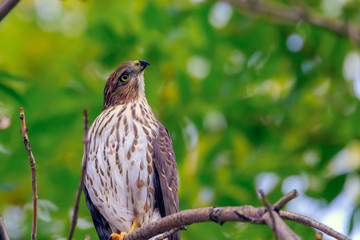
x=251 y=101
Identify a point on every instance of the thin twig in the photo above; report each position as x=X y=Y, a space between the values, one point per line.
x=297 y=14
x=3 y=232
x=81 y=182
x=311 y=223
x=23 y=132
x=285 y=199
x=168 y=234
x=270 y=211
x=6 y=6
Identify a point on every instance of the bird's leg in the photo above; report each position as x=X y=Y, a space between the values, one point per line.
x=134 y=226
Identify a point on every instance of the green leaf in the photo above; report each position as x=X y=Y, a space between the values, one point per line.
x=11 y=92
x=4 y=74
x=334 y=187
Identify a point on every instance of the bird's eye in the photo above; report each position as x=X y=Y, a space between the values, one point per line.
x=124 y=77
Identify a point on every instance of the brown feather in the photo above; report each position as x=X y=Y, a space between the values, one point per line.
x=116 y=93
x=166 y=180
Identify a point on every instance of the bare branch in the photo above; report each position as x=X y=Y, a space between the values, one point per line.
x=282 y=229
x=168 y=234
x=270 y=211
x=3 y=232
x=81 y=182
x=297 y=14
x=6 y=6
x=285 y=199
x=272 y=218
x=216 y=214
x=294 y=217
x=221 y=215
x=23 y=132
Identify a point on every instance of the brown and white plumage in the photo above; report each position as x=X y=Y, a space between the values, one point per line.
x=131 y=170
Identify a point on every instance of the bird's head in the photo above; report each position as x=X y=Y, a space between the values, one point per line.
x=125 y=84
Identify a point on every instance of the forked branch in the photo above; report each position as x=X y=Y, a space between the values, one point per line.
x=23 y=132
x=274 y=221
x=220 y=215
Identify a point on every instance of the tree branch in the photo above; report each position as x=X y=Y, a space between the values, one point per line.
x=282 y=230
x=285 y=199
x=268 y=206
x=3 y=232
x=294 y=217
x=168 y=234
x=6 y=6
x=297 y=14
x=220 y=215
x=274 y=221
x=23 y=132
x=81 y=182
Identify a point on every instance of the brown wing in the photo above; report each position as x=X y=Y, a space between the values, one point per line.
x=166 y=189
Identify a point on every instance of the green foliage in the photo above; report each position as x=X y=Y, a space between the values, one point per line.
x=238 y=100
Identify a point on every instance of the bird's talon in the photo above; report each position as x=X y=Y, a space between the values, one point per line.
x=115 y=236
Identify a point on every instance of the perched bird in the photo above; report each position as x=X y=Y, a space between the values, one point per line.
x=131 y=175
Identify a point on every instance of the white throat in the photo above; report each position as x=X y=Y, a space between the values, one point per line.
x=141 y=85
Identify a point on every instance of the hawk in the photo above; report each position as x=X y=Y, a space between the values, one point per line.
x=131 y=175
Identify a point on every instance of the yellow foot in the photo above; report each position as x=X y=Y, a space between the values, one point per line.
x=115 y=236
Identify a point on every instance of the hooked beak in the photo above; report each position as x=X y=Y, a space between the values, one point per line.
x=143 y=64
